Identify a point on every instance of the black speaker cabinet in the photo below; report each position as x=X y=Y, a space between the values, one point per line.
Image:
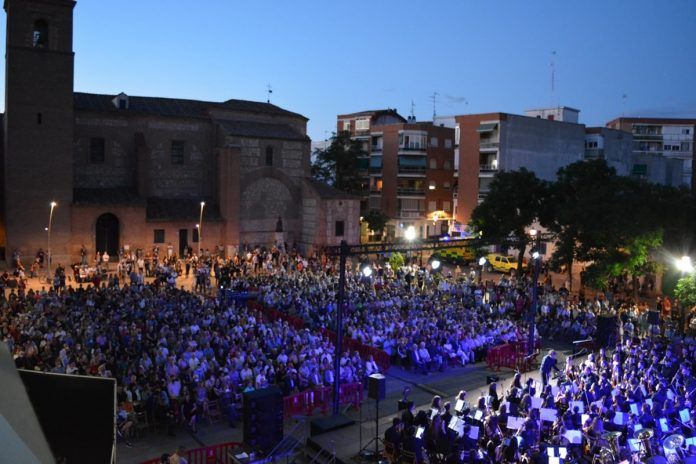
x=263 y=419
x=376 y=387
x=653 y=317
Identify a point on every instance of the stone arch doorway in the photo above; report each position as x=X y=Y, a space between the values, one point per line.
x=107 y=234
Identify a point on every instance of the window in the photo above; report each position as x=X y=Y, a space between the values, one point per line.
x=686 y=131
x=122 y=104
x=40 y=35
x=346 y=126
x=457 y=133
x=433 y=142
x=159 y=236
x=412 y=141
x=362 y=124
x=340 y=225
x=448 y=143
x=551 y=117
x=177 y=152
x=446 y=185
x=269 y=156
x=433 y=164
x=96 y=150
x=447 y=166
x=446 y=206
x=432 y=205
x=194 y=235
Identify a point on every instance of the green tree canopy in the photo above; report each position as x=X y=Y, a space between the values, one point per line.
x=685 y=291
x=339 y=163
x=512 y=205
x=376 y=221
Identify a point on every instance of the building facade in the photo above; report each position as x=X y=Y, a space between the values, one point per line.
x=135 y=172
x=659 y=139
x=410 y=171
x=492 y=142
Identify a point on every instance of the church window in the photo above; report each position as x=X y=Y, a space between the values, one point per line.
x=96 y=150
x=40 y=35
x=269 y=156
x=159 y=236
x=177 y=152
x=340 y=225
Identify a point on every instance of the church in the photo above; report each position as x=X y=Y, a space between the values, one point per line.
x=111 y=172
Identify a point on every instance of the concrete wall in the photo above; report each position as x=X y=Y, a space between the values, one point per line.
x=539 y=145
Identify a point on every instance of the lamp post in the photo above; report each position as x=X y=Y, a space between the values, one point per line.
x=482 y=262
x=48 y=251
x=200 y=229
x=536 y=240
x=339 y=325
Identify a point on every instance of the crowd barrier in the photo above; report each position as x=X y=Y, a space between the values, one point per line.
x=511 y=355
x=216 y=454
x=320 y=399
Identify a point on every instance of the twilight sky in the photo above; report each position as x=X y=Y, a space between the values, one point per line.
x=326 y=57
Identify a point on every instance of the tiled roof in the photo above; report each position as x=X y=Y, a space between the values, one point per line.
x=262 y=130
x=173 y=106
x=109 y=196
x=180 y=209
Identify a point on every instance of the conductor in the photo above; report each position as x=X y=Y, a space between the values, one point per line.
x=548 y=363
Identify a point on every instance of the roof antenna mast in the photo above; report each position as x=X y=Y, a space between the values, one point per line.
x=269 y=91
x=553 y=77
x=433 y=97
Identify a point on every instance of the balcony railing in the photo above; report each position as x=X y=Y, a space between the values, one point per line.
x=411 y=214
x=412 y=170
x=487 y=145
x=594 y=153
x=412 y=148
x=376 y=148
x=411 y=191
x=488 y=167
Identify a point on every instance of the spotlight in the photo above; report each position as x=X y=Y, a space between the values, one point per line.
x=435 y=264
x=482 y=261
x=410 y=233
x=367 y=271
x=536 y=255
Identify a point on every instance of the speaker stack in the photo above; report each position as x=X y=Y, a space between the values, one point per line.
x=263 y=419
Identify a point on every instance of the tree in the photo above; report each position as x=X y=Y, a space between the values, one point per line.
x=685 y=291
x=602 y=219
x=512 y=205
x=339 y=163
x=396 y=261
x=377 y=221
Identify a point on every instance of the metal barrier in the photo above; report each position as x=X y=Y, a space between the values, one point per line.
x=320 y=399
x=216 y=454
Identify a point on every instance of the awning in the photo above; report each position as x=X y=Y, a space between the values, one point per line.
x=487 y=127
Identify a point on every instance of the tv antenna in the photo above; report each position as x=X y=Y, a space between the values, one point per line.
x=269 y=91
x=433 y=97
x=553 y=75
x=413 y=107
x=624 y=98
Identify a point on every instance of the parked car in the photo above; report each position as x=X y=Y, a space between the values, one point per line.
x=500 y=263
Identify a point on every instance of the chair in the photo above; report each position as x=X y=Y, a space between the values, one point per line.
x=140 y=423
x=390 y=451
x=408 y=457
x=214 y=413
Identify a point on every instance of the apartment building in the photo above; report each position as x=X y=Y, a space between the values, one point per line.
x=658 y=139
x=541 y=141
x=410 y=167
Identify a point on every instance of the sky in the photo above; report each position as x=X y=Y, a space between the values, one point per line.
x=324 y=58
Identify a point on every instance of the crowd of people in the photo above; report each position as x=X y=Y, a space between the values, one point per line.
x=174 y=350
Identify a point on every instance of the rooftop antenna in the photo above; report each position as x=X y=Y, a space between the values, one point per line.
x=624 y=97
x=269 y=91
x=413 y=114
x=553 y=76
x=433 y=97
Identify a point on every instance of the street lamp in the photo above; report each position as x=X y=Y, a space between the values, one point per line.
x=482 y=262
x=536 y=240
x=367 y=271
x=410 y=233
x=435 y=264
x=200 y=229
x=685 y=265
x=48 y=251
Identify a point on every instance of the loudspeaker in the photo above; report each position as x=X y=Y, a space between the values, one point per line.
x=491 y=378
x=653 y=317
x=263 y=419
x=376 y=387
x=405 y=405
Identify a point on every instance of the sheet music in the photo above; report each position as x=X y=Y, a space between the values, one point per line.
x=459 y=406
x=515 y=423
x=684 y=415
x=621 y=418
x=536 y=402
x=547 y=414
x=573 y=436
x=579 y=404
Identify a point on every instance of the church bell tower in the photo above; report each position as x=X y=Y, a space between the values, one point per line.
x=38 y=127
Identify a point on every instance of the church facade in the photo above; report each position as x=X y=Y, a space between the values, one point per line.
x=136 y=172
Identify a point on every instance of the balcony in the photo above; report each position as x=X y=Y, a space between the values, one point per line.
x=410 y=192
x=412 y=170
x=411 y=214
x=416 y=149
x=375 y=169
x=488 y=168
x=488 y=145
x=375 y=148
